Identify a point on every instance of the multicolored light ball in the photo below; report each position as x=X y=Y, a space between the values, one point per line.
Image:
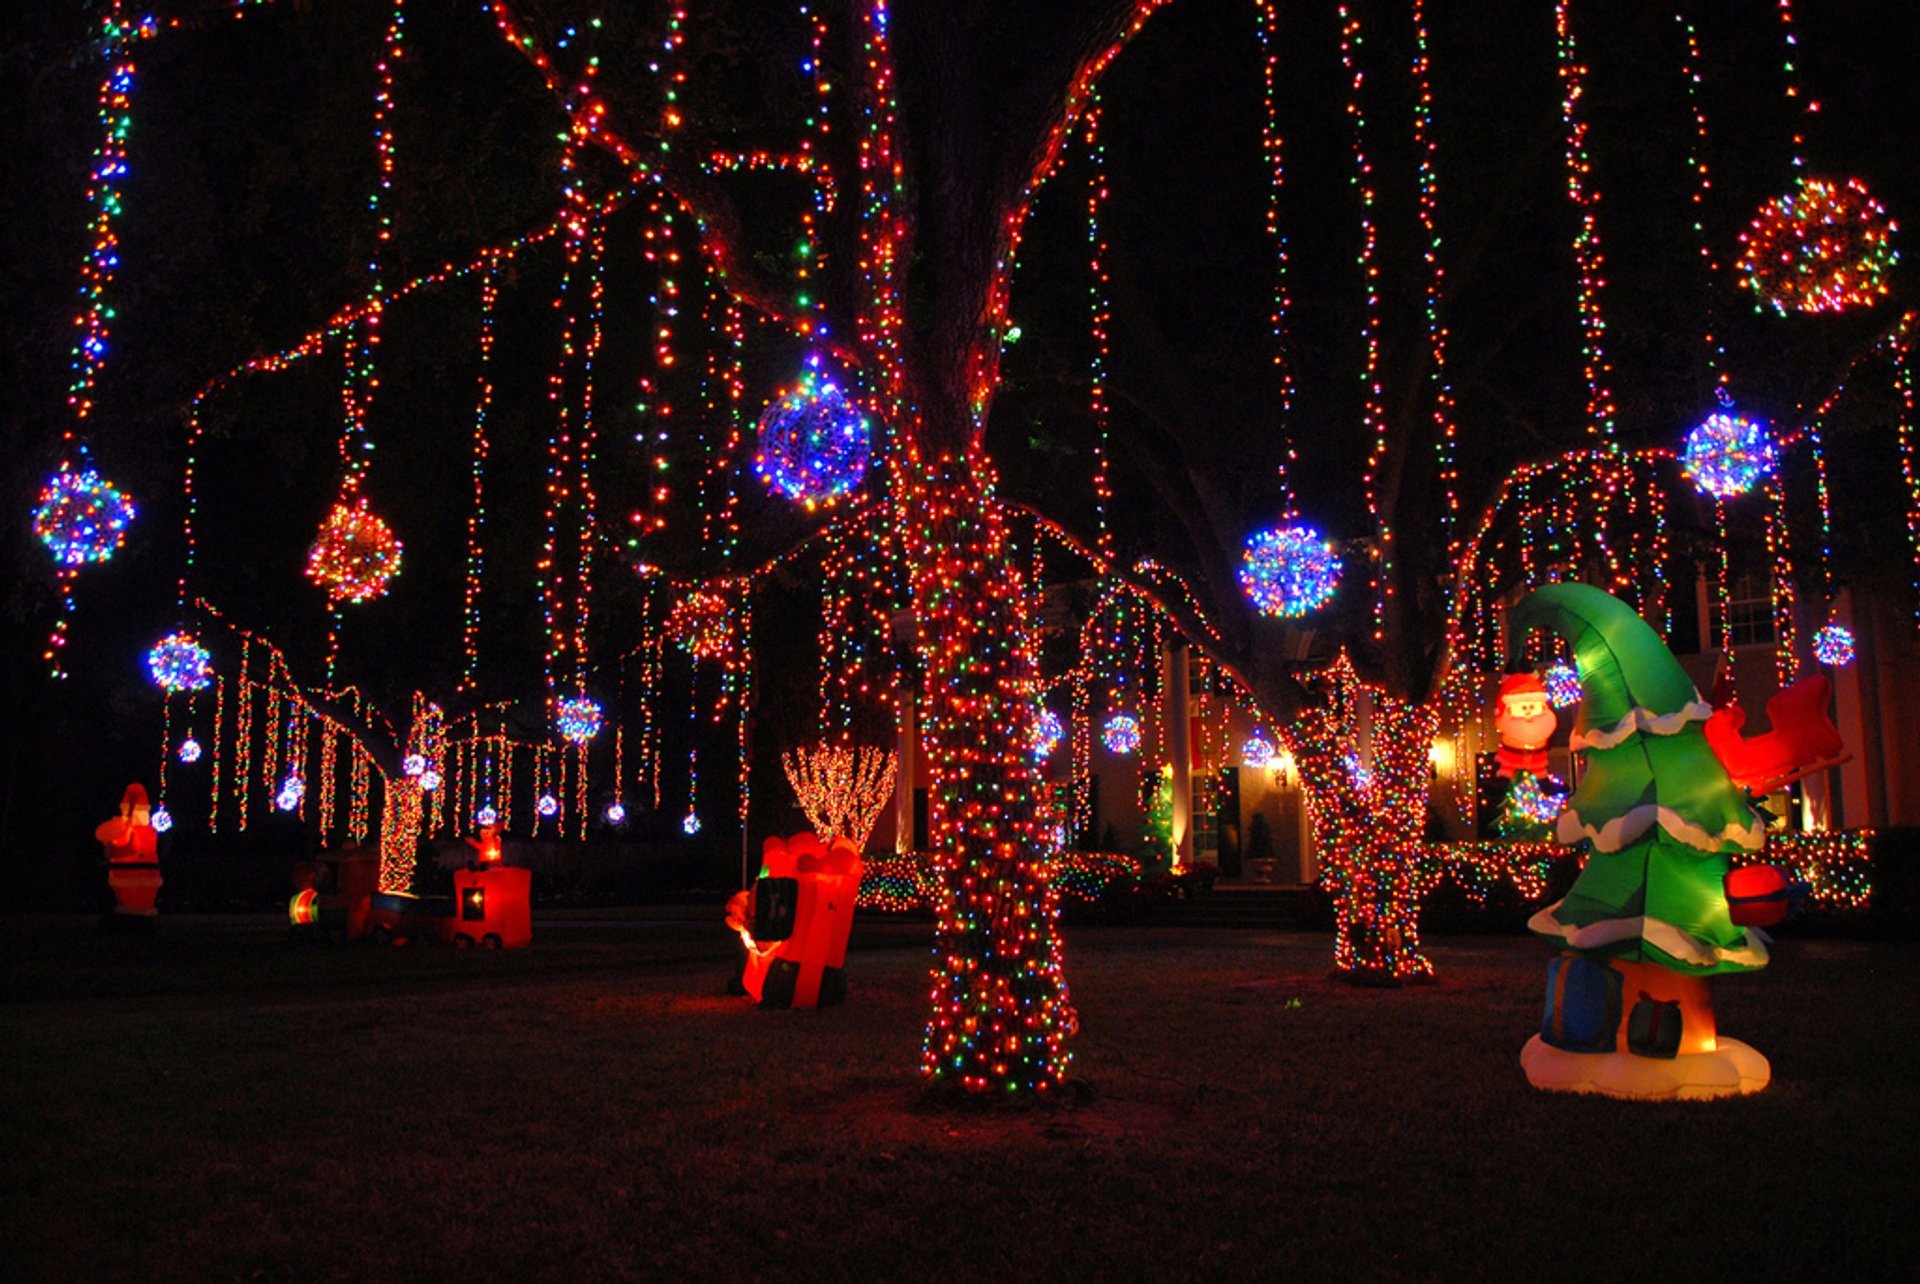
x=577 y=719
x=1121 y=735
x=1727 y=455
x=1289 y=570
x=616 y=814
x=486 y=816
x=292 y=790
x=81 y=517
x=1824 y=247
x=1258 y=751
x=179 y=663
x=1047 y=732
x=702 y=624
x=548 y=805
x=413 y=764
x=690 y=825
x=1537 y=805
x=1562 y=682
x=1833 y=646
x=355 y=556
x=813 y=443
x=429 y=780
x=161 y=820
x=189 y=750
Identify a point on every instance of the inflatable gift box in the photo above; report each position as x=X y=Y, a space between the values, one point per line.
x=1757 y=895
x=804 y=905
x=495 y=907
x=1583 y=1005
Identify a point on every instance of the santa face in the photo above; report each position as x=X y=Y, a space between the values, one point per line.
x=1526 y=721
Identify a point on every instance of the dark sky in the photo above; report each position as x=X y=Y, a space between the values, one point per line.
x=252 y=156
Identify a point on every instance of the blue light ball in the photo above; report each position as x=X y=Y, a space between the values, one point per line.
x=1833 y=646
x=814 y=444
x=691 y=825
x=1047 y=733
x=1258 y=751
x=577 y=719
x=1727 y=455
x=1289 y=571
x=1563 y=685
x=81 y=518
x=178 y=663
x=1121 y=735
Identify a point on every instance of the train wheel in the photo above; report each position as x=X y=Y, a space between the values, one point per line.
x=462 y=941
x=492 y=941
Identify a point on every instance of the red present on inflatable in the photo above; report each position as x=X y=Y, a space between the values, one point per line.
x=494 y=907
x=1756 y=895
x=806 y=968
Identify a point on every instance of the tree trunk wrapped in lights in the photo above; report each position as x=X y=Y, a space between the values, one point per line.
x=841 y=788
x=1001 y=1013
x=1363 y=759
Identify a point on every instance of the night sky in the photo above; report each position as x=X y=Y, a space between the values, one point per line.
x=252 y=156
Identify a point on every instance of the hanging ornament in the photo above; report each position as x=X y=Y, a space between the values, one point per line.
x=189 y=750
x=691 y=824
x=548 y=805
x=1047 y=732
x=161 y=820
x=1258 y=751
x=1833 y=646
x=1726 y=455
x=701 y=623
x=81 y=518
x=616 y=814
x=1824 y=247
x=292 y=790
x=1289 y=570
x=429 y=780
x=577 y=719
x=486 y=816
x=1562 y=682
x=178 y=663
x=1121 y=735
x=814 y=443
x=413 y=764
x=355 y=555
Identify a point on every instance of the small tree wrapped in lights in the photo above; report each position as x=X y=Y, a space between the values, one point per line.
x=841 y=788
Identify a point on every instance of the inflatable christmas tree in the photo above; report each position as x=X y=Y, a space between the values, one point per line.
x=1628 y=1013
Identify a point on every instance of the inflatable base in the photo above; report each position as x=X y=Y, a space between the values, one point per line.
x=1732 y=1069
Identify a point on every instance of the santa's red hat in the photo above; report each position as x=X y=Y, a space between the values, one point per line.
x=136 y=796
x=1521 y=684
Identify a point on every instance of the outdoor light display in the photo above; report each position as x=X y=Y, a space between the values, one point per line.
x=355 y=556
x=486 y=816
x=81 y=517
x=1562 y=683
x=178 y=663
x=429 y=780
x=796 y=920
x=189 y=750
x=162 y=820
x=1289 y=571
x=1824 y=247
x=690 y=824
x=1121 y=735
x=814 y=443
x=1048 y=732
x=702 y=625
x=1833 y=646
x=1727 y=455
x=1628 y=1013
x=841 y=789
x=547 y=805
x=577 y=719
x=616 y=814
x=413 y=764
x=292 y=791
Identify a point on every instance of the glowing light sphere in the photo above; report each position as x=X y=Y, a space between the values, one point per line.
x=1833 y=646
x=81 y=518
x=616 y=814
x=1047 y=732
x=486 y=816
x=1121 y=735
x=1258 y=751
x=1824 y=247
x=691 y=824
x=161 y=820
x=292 y=790
x=577 y=719
x=355 y=556
x=1539 y=806
x=178 y=663
x=548 y=805
x=1289 y=570
x=413 y=764
x=702 y=624
x=189 y=750
x=1562 y=682
x=429 y=780
x=1726 y=455
x=813 y=442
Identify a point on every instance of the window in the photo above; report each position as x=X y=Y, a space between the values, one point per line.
x=1750 y=611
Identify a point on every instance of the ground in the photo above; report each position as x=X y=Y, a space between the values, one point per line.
x=221 y=1104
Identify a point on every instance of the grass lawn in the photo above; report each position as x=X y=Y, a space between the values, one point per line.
x=222 y=1104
